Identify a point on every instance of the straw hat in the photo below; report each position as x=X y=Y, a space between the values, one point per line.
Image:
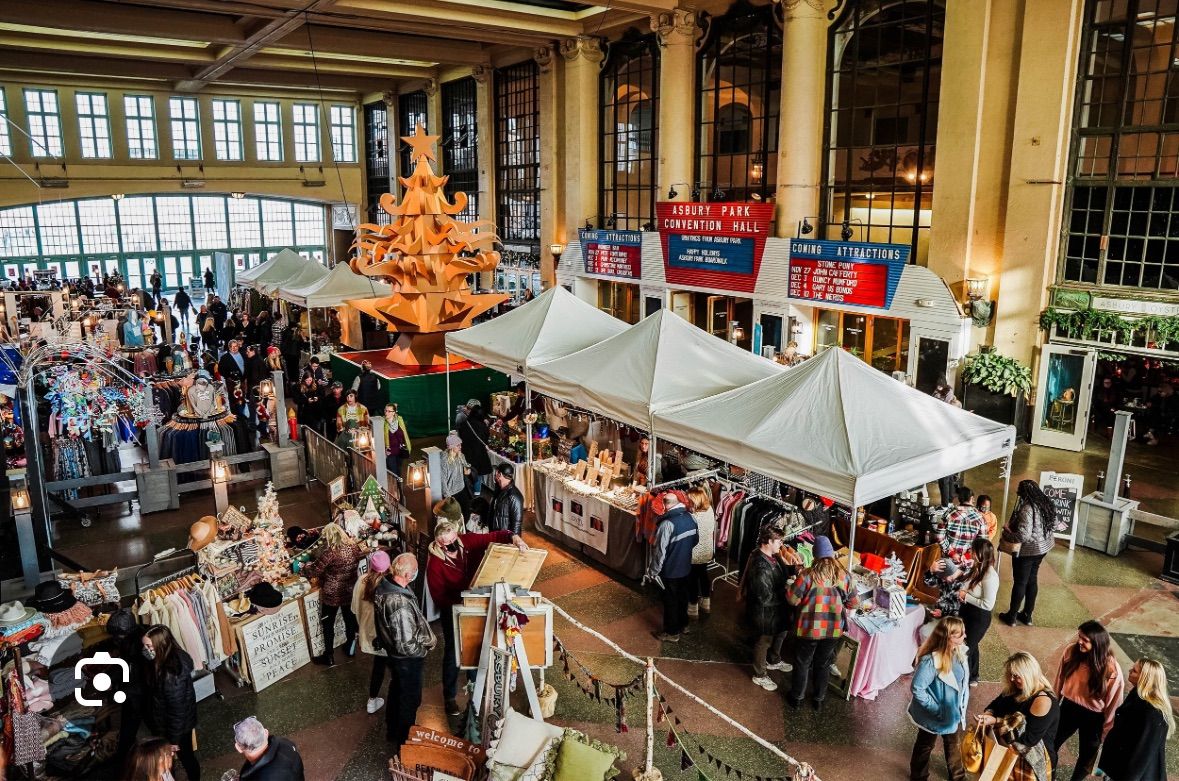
x=202 y=533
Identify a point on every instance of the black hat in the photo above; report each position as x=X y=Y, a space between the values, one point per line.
x=265 y=596
x=121 y=623
x=51 y=597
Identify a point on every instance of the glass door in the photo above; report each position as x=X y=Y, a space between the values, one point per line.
x=718 y=316
x=170 y=272
x=1064 y=394
x=681 y=304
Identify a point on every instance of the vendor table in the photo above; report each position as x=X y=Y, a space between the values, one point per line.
x=886 y=655
x=916 y=558
x=588 y=524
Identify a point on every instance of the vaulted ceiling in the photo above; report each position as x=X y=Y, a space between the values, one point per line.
x=345 y=45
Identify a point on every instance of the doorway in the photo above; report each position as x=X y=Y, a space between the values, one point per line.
x=1061 y=417
x=933 y=356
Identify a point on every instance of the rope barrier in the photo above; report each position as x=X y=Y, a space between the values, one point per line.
x=805 y=770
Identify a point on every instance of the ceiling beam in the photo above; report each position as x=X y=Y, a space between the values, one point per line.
x=117 y=19
x=39 y=62
x=328 y=81
x=304 y=65
x=644 y=6
x=234 y=55
x=462 y=15
x=98 y=47
x=366 y=43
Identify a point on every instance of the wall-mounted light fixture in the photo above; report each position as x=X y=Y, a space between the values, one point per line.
x=718 y=194
x=757 y=169
x=237 y=196
x=116 y=196
x=416 y=476
x=556 y=250
x=805 y=228
x=978 y=306
x=736 y=332
x=673 y=193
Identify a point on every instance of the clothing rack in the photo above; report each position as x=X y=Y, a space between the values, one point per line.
x=184 y=554
x=692 y=478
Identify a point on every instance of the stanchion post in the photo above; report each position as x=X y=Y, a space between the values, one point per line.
x=278 y=380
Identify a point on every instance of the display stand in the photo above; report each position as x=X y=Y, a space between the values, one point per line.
x=494 y=637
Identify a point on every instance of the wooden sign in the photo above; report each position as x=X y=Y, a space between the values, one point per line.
x=313 y=618
x=275 y=645
x=509 y=564
x=1063 y=490
x=336 y=489
x=470 y=623
x=433 y=737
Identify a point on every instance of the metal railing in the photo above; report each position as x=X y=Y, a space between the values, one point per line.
x=325 y=461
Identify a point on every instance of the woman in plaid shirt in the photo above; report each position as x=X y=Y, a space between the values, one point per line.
x=822 y=594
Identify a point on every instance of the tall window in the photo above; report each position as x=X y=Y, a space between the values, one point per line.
x=139 y=111
x=1122 y=220
x=305 y=121
x=94 y=124
x=460 y=143
x=376 y=158
x=517 y=153
x=630 y=105
x=411 y=112
x=186 y=128
x=44 y=117
x=740 y=76
x=5 y=138
x=227 y=129
x=268 y=131
x=343 y=129
x=884 y=71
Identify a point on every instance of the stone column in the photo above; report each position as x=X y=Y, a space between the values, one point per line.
x=1048 y=49
x=677 y=83
x=394 y=143
x=485 y=128
x=433 y=118
x=800 y=130
x=583 y=58
x=552 y=171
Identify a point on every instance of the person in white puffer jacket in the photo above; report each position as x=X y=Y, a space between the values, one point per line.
x=699 y=582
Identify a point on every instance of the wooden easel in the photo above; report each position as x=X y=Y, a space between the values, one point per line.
x=495 y=637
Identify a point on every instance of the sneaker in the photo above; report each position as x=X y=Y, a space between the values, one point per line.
x=835 y=671
x=694 y=611
x=374 y=704
x=351 y=649
x=664 y=637
x=793 y=703
x=452 y=708
x=974 y=683
x=765 y=682
x=1025 y=620
x=705 y=604
x=783 y=666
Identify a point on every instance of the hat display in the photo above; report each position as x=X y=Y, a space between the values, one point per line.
x=201 y=533
x=823 y=549
x=265 y=597
x=52 y=597
x=474 y=403
x=15 y=613
x=449 y=509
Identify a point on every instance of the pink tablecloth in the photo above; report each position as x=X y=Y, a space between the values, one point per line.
x=885 y=656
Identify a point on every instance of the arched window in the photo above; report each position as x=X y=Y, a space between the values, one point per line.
x=884 y=77
x=740 y=73
x=630 y=107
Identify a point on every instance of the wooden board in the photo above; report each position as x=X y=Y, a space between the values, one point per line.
x=537 y=634
x=509 y=564
x=274 y=645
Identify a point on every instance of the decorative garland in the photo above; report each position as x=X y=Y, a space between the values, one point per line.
x=595 y=687
x=678 y=735
x=1085 y=323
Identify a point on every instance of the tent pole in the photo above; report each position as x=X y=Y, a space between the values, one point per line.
x=1006 y=483
x=851 y=540
x=651 y=456
x=448 y=407
x=527 y=425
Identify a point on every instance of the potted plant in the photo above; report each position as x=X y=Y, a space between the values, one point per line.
x=996 y=387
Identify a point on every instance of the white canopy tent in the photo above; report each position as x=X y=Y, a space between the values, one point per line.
x=662 y=362
x=334 y=289
x=837 y=427
x=553 y=325
x=287 y=268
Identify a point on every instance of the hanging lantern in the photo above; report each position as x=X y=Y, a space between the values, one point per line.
x=363 y=440
x=417 y=475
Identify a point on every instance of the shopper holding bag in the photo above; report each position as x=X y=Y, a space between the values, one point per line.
x=1026 y=691
x=941 y=692
x=1028 y=538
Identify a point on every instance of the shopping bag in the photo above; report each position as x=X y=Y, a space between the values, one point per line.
x=1000 y=761
x=973 y=748
x=92 y=588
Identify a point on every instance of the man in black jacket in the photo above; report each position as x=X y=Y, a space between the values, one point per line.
x=507 y=510
x=267 y=758
x=405 y=636
x=368 y=390
x=473 y=431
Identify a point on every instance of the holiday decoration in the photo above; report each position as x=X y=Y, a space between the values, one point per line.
x=274 y=563
x=427 y=255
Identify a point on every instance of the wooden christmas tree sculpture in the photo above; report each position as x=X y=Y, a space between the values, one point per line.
x=427 y=255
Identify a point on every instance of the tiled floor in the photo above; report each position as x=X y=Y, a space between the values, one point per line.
x=323 y=710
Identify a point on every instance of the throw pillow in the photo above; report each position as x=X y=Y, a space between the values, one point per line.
x=521 y=740
x=581 y=758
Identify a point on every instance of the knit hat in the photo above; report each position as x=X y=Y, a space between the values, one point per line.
x=378 y=561
x=453 y=440
x=474 y=403
x=823 y=549
x=449 y=509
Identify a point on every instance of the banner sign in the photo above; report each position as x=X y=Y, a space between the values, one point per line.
x=612 y=253
x=716 y=245
x=1063 y=490
x=846 y=272
x=274 y=645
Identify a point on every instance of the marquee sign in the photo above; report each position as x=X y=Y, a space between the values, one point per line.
x=846 y=272
x=612 y=253
x=716 y=245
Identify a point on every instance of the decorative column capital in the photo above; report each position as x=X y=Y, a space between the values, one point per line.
x=389 y=98
x=587 y=46
x=679 y=22
x=544 y=58
x=430 y=87
x=481 y=73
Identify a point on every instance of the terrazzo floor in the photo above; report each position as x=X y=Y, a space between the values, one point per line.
x=322 y=710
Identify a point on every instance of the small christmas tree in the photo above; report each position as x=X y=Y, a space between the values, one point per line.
x=274 y=563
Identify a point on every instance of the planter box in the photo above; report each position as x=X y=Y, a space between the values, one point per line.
x=999 y=407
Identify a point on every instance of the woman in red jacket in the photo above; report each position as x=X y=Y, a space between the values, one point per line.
x=452 y=561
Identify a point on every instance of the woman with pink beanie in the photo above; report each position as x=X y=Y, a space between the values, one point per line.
x=363 y=596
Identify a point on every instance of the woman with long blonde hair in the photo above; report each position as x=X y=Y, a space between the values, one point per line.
x=363 y=596
x=941 y=691
x=1028 y=691
x=1136 y=747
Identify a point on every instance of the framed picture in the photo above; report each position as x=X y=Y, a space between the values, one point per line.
x=336 y=489
x=846 y=654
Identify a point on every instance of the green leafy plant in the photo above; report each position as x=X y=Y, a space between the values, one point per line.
x=997 y=373
x=1161 y=330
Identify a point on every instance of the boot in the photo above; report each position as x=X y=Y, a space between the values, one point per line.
x=693 y=610
x=327 y=660
x=706 y=605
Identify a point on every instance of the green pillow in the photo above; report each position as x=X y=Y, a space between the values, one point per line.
x=577 y=761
